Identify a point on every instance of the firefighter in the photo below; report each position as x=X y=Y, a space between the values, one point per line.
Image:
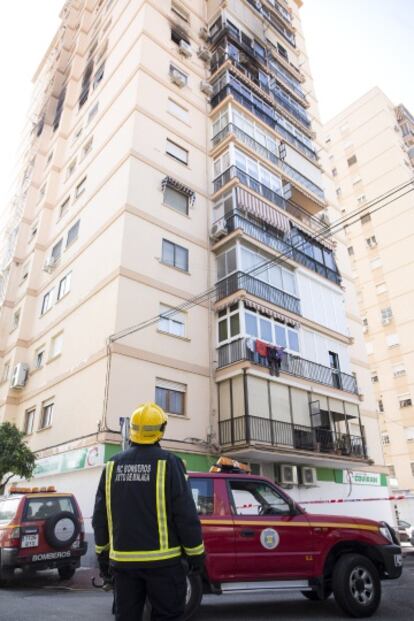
x=145 y=521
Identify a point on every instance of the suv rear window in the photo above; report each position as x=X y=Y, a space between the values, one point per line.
x=8 y=509
x=43 y=508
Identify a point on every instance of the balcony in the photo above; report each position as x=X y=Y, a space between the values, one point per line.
x=262 y=111
x=250 y=142
x=237 y=351
x=245 y=282
x=246 y=429
x=273 y=19
x=269 y=236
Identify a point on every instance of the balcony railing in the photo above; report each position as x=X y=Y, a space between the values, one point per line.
x=233 y=172
x=235 y=220
x=263 y=112
x=250 y=142
x=271 y=18
x=242 y=281
x=238 y=351
x=246 y=429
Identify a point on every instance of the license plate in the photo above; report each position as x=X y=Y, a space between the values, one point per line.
x=398 y=561
x=30 y=541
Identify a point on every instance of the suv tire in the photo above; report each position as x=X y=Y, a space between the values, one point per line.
x=356 y=585
x=66 y=572
x=61 y=529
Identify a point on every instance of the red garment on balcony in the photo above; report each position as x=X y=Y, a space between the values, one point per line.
x=261 y=348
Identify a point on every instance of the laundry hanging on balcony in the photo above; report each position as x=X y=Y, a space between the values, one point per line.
x=177 y=185
x=262 y=211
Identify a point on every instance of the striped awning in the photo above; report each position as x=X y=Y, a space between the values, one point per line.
x=261 y=309
x=177 y=185
x=253 y=205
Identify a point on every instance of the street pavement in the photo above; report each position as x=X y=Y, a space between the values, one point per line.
x=45 y=598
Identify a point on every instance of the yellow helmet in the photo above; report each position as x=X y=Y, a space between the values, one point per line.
x=147 y=424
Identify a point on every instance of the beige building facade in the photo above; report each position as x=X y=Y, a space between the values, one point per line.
x=371 y=156
x=169 y=240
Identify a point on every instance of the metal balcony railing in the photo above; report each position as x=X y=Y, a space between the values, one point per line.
x=293 y=365
x=242 y=281
x=263 y=112
x=231 y=128
x=246 y=429
x=235 y=220
x=271 y=18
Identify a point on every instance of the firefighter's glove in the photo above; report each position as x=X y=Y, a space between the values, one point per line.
x=104 y=569
x=195 y=564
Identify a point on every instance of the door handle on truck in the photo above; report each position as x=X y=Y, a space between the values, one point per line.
x=247 y=532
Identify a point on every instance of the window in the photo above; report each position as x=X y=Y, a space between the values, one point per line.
x=80 y=188
x=374 y=377
x=71 y=169
x=178 y=75
x=391 y=470
x=386 y=315
x=46 y=414
x=87 y=147
x=405 y=400
x=39 y=357
x=352 y=160
x=398 y=370
x=98 y=76
x=385 y=439
x=176 y=199
x=64 y=286
x=73 y=233
x=56 y=345
x=93 y=112
x=203 y=495
x=226 y=263
x=172 y=321
x=381 y=288
x=28 y=423
x=16 y=319
x=170 y=396
x=47 y=302
x=392 y=340
x=77 y=135
x=229 y=323
x=5 y=373
x=25 y=272
x=257 y=498
x=380 y=405
x=64 y=207
x=177 y=152
x=174 y=255
x=351 y=251
x=177 y=37
x=409 y=434
x=57 y=250
x=178 y=111
x=376 y=263
x=33 y=231
x=371 y=242
x=365 y=325
x=365 y=218
x=49 y=159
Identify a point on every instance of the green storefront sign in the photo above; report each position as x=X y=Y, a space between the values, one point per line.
x=80 y=459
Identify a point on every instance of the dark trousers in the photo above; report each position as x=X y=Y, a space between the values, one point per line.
x=165 y=588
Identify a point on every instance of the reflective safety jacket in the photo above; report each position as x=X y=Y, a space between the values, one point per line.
x=144 y=510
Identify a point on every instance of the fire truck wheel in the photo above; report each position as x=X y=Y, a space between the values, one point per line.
x=315 y=597
x=356 y=585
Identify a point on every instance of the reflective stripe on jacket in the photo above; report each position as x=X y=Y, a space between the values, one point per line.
x=144 y=510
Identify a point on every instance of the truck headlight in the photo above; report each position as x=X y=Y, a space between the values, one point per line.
x=386 y=533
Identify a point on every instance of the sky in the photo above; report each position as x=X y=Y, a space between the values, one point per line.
x=353 y=45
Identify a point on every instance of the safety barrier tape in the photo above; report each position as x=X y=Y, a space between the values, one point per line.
x=343 y=500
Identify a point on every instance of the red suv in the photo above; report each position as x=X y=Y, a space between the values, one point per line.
x=257 y=538
x=40 y=529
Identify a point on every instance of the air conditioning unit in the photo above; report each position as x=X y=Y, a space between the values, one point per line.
x=185 y=49
x=50 y=264
x=243 y=58
x=309 y=477
x=20 y=375
x=178 y=79
x=386 y=321
x=288 y=474
x=203 y=34
x=218 y=231
x=206 y=88
x=204 y=54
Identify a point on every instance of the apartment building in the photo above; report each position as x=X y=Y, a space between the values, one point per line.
x=169 y=240
x=371 y=155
